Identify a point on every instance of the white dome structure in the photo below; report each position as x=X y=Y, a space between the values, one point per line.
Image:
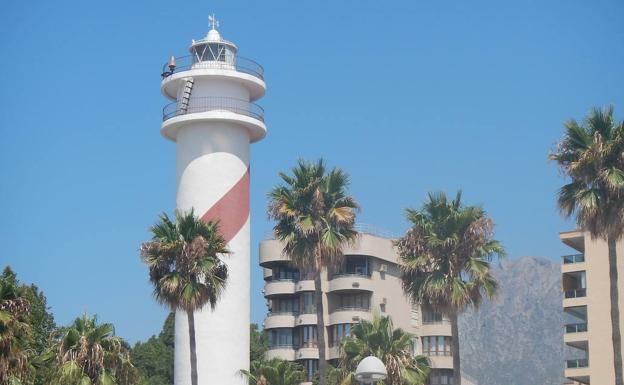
x=370 y=370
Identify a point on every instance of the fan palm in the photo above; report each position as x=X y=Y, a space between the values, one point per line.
x=446 y=257
x=315 y=220
x=185 y=268
x=89 y=353
x=394 y=347
x=275 y=372
x=14 y=333
x=591 y=154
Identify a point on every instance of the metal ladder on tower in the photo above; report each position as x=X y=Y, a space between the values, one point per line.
x=185 y=98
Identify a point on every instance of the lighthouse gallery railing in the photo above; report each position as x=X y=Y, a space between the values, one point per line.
x=239 y=63
x=213 y=103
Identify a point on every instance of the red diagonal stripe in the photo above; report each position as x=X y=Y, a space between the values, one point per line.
x=232 y=209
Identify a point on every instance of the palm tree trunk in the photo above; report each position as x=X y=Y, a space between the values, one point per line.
x=455 y=349
x=320 y=327
x=191 y=325
x=616 y=334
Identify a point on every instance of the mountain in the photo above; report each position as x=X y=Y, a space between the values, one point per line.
x=517 y=339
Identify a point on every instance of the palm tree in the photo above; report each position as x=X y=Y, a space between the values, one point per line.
x=275 y=372
x=89 y=353
x=394 y=347
x=315 y=220
x=446 y=257
x=14 y=331
x=591 y=154
x=185 y=267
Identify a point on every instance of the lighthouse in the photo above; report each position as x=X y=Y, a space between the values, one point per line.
x=212 y=118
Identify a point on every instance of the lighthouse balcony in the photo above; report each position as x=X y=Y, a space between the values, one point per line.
x=225 y=65
x=241 y=111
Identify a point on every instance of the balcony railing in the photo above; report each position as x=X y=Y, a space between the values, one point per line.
x=443 y=321
x=281 y=346
x=213 y=103
x=352 y=308
x=574 y=258
x=576 y=328
x=237 y=63
x=576 y=293
x=435 y=353
x=578 y=363
x=354 y=275
x=282 y=312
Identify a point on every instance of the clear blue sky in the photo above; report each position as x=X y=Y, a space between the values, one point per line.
x=408 y=97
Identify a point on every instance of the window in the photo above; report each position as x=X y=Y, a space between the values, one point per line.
x=356 y=265
x=310 y=367
x=285 y=273
x=338 y=332
x=307 y=336
x=355 y=301
x=286 y=305
x=431 y=317
x=441 y=377
x=280 y=337
x=436 y=345
x=308 y=305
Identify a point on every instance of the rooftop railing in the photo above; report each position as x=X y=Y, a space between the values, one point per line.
x=577 y=363
x=576 y=328
x=576 y=293
x=213 y=103
x=573 y=258
x=237 y=63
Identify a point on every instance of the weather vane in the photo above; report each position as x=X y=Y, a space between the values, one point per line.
x=212 y=20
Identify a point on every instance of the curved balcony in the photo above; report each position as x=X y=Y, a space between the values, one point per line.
x=244 y=70
x=350 y=282
x=214 y=108
x=346 y=315
x=440 y=361
x=285 y=352
x=307 y=353
x=281 y=287
x=333 y=353
x=305 y=319
x=271 y=253
x=305 y=285
x=280 y=320
x=441 y=328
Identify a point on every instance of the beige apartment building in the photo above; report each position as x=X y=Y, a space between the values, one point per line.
x=585 y=281
x=367 y=283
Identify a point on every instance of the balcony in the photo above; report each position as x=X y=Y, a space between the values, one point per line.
x=350 y=282
x=573 y=258
x=279 y=287
x=577 y=363
x=280 y=319
x=348 y=315
x=576 y=293
x=576 y=328
x=245 y=71
x=283 y=352
x=236 y=63
x=436 y=328
x=213 y=108
x=213 y=104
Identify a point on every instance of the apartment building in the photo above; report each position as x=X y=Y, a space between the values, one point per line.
x=587 y=305
x=367 y=283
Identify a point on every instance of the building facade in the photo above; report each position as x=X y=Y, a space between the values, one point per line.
x=367 y=283
x=587 y=306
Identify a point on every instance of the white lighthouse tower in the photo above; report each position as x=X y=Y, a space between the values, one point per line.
x=213 y=120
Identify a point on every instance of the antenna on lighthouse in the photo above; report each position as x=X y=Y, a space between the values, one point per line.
x=214 y=23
